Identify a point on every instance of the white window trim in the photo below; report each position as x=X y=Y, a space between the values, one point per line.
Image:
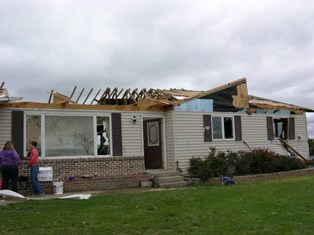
x=43 y=114
x=223 y=128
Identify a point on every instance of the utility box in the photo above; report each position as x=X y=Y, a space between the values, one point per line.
x=45 y=173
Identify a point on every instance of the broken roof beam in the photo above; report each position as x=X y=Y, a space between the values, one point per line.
x=132 y=99
x=88 y=95
x=143 y=93
x=125 y=97
x=73 y=92
x=94 y=99
x=237 y=103
x=78 y=98
x=50 y=96
x=103 y=99
x=61 y=99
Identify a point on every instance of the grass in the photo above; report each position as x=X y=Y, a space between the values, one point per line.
x=270 y=207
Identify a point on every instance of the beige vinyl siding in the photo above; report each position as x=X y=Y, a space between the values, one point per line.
x=189 y=136
x=5 y=126
x=170 y=141
x=254 y=129
x=132 y=140
x=301 y=144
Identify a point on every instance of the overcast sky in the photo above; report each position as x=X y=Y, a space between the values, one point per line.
x=195 y=45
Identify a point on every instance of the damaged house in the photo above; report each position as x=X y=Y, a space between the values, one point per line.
x=116 y=139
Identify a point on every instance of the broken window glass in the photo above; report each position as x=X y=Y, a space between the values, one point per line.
x=69 y=136
x=103 y=136
x=222 y=127
x=33 y=131
x=281 y=127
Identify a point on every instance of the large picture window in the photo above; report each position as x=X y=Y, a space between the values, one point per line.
x=223 y=128
x=33 y=130
x=59 y=136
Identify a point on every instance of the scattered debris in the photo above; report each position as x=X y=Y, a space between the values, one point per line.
x=10 y=193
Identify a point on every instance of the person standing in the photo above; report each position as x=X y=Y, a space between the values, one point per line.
x=9 y=162
x=33 y=164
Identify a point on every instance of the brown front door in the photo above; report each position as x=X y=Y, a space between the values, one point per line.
x=152 y=144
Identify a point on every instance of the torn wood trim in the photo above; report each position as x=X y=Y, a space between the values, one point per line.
x=241 y=100
x=61 y=99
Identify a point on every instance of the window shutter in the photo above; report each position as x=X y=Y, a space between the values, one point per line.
x=270 y=129
x=116 y=134
x=18 y=131
x=207 y=128
x=238 y=128
x=291 y=129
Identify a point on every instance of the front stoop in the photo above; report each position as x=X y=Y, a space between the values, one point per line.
x=168 y=179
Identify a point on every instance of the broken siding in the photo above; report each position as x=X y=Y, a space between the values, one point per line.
x=170 y=140
x=132 y=141
x=189 y=132
x=5 y=126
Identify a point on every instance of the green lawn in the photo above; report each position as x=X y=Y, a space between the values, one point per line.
x=283 y=206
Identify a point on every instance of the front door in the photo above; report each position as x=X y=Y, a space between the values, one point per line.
x=152 y=144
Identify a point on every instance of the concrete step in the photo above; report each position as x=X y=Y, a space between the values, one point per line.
x=163 y=173
x=168 y=179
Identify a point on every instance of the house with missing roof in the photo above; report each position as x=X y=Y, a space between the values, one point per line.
x=121 y=138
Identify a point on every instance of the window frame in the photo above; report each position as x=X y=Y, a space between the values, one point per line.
x=222 y=117
x=43 y=116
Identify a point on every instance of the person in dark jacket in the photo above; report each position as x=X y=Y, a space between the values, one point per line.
x=33 y=164
x=9 y=162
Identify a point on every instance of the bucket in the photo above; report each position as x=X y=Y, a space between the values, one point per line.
x=58 y=187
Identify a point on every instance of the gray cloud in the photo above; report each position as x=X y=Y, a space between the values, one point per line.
x=161 y=44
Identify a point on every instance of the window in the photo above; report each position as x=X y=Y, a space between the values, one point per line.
x=69 y=135
x=33 y=130
x=152 y=134
x=222 y=128
x=103 y=134
x=281 y=127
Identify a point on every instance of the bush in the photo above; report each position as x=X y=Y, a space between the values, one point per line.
x=230 y=163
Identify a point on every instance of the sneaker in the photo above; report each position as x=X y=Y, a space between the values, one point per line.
x=40 y=195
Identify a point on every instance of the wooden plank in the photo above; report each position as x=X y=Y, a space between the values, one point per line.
x=88 y=95
x=95 y=96
x=73 y=92
x=288 y=146
x=50 y=96
x=80 y=95
x=73 y=106
x=61 y=99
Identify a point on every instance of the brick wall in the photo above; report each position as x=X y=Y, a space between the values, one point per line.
x=84 y=174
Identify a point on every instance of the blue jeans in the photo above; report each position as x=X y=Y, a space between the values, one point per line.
x=34 y=178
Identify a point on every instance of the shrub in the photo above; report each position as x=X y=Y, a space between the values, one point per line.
x=230 y=163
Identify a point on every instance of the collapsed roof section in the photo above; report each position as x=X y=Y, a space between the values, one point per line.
x=231 y=97
x=268 y=105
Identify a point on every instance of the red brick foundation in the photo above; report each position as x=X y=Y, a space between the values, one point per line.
x=84 y=174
